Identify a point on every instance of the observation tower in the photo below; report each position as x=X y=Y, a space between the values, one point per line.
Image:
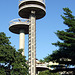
x=32 y=10
x=20 y=26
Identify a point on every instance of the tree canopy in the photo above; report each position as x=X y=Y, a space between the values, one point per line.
x=67 y=37
x=47 y=72
x=11 y=61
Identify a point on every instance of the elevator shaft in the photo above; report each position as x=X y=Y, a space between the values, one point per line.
x=32 y=44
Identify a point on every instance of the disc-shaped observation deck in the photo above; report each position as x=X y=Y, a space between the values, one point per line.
x=19 y=24
x=26 y=6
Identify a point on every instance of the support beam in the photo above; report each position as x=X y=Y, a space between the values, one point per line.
x=22 y=41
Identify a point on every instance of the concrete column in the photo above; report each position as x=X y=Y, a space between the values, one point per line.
x=32 y=44
x=22 y=41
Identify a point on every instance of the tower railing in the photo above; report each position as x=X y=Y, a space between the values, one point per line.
x=19 y=21
x=33 y=0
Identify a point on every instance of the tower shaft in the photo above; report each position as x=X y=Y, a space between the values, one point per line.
x=32 y=44
x=22 y=40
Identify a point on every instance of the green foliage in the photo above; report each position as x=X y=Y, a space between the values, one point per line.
x=41 y=61
x=11 y=61
x=67 y=46
x=48 y=58
x=2 y=71
x=67 y=37
x=47 y=72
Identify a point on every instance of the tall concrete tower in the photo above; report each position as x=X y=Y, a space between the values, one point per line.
x=33 y=10
x=20 y=26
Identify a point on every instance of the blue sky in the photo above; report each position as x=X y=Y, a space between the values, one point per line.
x=45 y=27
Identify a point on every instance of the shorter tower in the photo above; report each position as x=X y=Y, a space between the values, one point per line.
x=20 y=26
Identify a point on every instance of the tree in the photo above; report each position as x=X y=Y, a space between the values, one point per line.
x=66 y=52
x=65 y=55
x=67 y=36
x=47 y=72
x=11 y=61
